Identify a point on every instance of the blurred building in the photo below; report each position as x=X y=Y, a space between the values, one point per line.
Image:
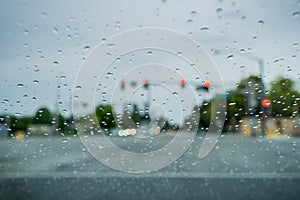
x=40 y=129
x=251 y=126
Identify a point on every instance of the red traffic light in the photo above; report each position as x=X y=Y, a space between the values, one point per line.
x=122 y=84
x=266 y=103
x=145 y=83
x=206 y=85
x=182 y=82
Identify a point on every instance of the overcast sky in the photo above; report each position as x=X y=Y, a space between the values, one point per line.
x=43 y=40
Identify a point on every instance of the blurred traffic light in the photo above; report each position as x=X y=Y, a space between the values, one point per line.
x=146 y=84
x=206 y=85
x=122 y=84
x=266 y=103
x=182 y=82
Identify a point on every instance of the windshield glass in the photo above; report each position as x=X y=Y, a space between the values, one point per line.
x=149 y=99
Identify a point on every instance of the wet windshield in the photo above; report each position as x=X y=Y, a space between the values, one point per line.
x=149 y=99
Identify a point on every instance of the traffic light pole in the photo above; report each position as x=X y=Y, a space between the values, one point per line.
x=260 y=61
x=262 y=97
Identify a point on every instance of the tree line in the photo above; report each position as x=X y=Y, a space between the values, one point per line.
x=242 y=101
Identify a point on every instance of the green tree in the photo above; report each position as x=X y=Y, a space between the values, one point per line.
x=105 y=116
x=236 y=109
x=284 y=97
x=205 y=115
x=42 y=116
x=250 y=88
x=16 y=124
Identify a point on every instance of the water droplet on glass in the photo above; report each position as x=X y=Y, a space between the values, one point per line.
x=296 y=14
x=44 y=14
x=189 y=21
x=20 y=85
x=219 y=10
x=260 y=22
x=26 y=32
x=204 y=29
x=193 y=13
x=86 y=48
x=55 y=30
x=36 y=81
x=17 y=114
x=55 y=62
x=230 y=57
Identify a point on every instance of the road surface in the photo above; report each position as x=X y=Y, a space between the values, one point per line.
x=238 y=167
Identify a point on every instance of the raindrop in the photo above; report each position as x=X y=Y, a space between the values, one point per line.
x=260 y=22
x=219 y=10
x=193 y=13
x=20 y=85
x=36 y=81
x=26 y=32
x=230 y=57
x=55 y=62
x=276 y=61
x=44 y=14
x=17 y=114
x=149 y=53
x=86 y=48
x=189 y=21
x=296 y=14
x=204 y=29
x=55 y=30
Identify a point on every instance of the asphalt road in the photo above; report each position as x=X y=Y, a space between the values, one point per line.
x=238 y=167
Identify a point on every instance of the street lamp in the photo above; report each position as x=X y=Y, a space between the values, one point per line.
x=260 y=62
